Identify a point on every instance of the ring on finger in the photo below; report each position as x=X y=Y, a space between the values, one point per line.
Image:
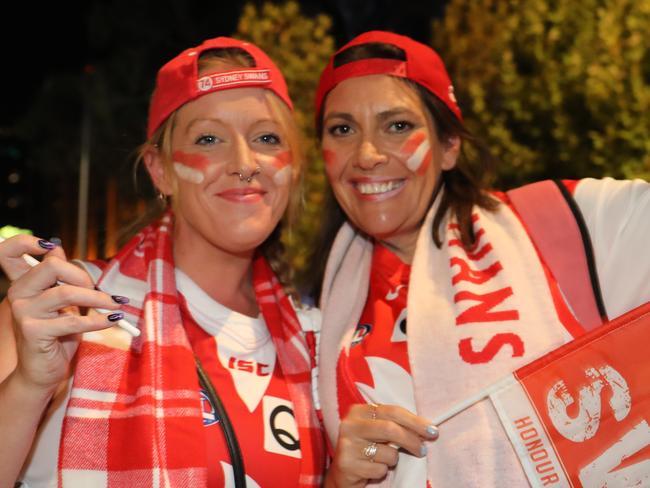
x=373 y=410
x=370 y=451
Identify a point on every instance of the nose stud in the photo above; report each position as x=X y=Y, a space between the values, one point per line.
x=250 y=177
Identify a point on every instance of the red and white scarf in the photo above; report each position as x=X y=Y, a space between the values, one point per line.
x=134 y=417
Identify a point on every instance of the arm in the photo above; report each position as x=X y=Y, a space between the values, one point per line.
x=40 y=333
x=389 y=428
x=616 y=214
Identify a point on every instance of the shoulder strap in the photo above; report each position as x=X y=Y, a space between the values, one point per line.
x=557 y=229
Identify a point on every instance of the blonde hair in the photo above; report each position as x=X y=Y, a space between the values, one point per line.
x=272 y=248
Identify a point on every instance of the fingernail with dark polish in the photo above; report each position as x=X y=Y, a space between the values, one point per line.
x=46 y=244
x=56 y=241
x=119 y=299
x=114 y=317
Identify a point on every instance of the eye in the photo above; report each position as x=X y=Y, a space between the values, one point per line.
x=206 y=140
x=270 y=138
x=399 y=126
x=339 y=130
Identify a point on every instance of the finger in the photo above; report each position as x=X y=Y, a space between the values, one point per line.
x=68 y=324
x=371 y=471
x=390 y=432
x=389 y=424
x=421 y=426
x=13 y=249
x=385 y=454
x=46 y=275
x=59 y=298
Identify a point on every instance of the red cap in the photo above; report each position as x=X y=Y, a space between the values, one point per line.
x=178 y=81
x=422 y=66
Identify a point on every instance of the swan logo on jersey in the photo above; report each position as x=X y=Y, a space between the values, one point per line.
x=280 y=429
x=360 y=332
x=208 y=411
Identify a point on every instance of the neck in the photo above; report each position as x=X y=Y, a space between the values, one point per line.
x=403 y=246
x=226 y=276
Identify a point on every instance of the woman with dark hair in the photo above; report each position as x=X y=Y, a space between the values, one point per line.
x=433 y=289
x=215 y=390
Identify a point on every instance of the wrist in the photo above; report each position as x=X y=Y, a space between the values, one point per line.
x=20 y=387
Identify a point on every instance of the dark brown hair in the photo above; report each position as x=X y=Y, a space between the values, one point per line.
x=463 y=184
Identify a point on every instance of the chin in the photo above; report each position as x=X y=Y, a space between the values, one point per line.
x=378 y=230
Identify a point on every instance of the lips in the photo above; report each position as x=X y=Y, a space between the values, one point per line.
x=242 y=195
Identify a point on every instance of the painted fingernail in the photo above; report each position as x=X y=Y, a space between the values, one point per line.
x=46 y=244
x=119 y=299
x=56 y=241
x=423 y=450
x=114 y=317
x=433 y=432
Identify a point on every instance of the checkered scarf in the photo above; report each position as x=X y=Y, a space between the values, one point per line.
x=134 y=417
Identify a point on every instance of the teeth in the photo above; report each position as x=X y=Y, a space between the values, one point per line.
x=374 y=188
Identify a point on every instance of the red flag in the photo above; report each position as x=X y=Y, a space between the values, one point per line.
x=580 y=415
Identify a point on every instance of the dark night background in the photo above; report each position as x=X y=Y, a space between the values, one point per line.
x=51 y=45
x=53 y=38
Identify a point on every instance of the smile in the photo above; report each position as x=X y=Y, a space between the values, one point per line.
x=242 y=195
x=377 y=188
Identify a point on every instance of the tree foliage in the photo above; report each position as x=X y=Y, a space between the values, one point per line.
x=556 y=89
x=301 y=47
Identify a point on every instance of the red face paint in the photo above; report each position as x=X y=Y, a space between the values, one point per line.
x=329 y=157
x=416 y=152
x=193 y=160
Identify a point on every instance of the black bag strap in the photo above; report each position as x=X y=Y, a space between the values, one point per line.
x=237 y=461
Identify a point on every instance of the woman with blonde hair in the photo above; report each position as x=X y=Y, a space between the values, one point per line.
x=216 y=388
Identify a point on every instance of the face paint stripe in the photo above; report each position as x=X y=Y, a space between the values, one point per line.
x=418 y=157
x=283 y=176
x=186 y=173
x=329 y=156
x=196 y=161
x=413 y=142
x=424 y=165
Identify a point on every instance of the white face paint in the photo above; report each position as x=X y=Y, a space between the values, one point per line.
x=278 y=165
x=188 y=174
x=415 y=161
x=283 y=176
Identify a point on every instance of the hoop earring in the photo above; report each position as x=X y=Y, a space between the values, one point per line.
x=162 y=199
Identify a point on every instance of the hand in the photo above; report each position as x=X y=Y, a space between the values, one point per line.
x=369 y=439
x=47 y=321
x=12 y=250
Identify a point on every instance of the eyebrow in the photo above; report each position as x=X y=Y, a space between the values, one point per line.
x=386 y=114
x=196 y=121
x=219 y=121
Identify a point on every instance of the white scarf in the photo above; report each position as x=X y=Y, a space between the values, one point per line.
x=451 y=359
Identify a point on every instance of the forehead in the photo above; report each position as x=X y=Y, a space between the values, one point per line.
x=374 y=92
x=236 y=104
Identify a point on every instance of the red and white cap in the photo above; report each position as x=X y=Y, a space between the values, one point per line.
x=178 y=81
x=422 y=66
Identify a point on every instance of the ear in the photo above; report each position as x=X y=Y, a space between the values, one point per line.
x=450 y=152
x=154 y=163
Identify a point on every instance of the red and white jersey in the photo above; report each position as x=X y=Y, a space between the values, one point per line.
x=377 y=367
x=239 y=357
x=379 y=348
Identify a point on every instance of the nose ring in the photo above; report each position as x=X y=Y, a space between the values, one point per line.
x=250 y=177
